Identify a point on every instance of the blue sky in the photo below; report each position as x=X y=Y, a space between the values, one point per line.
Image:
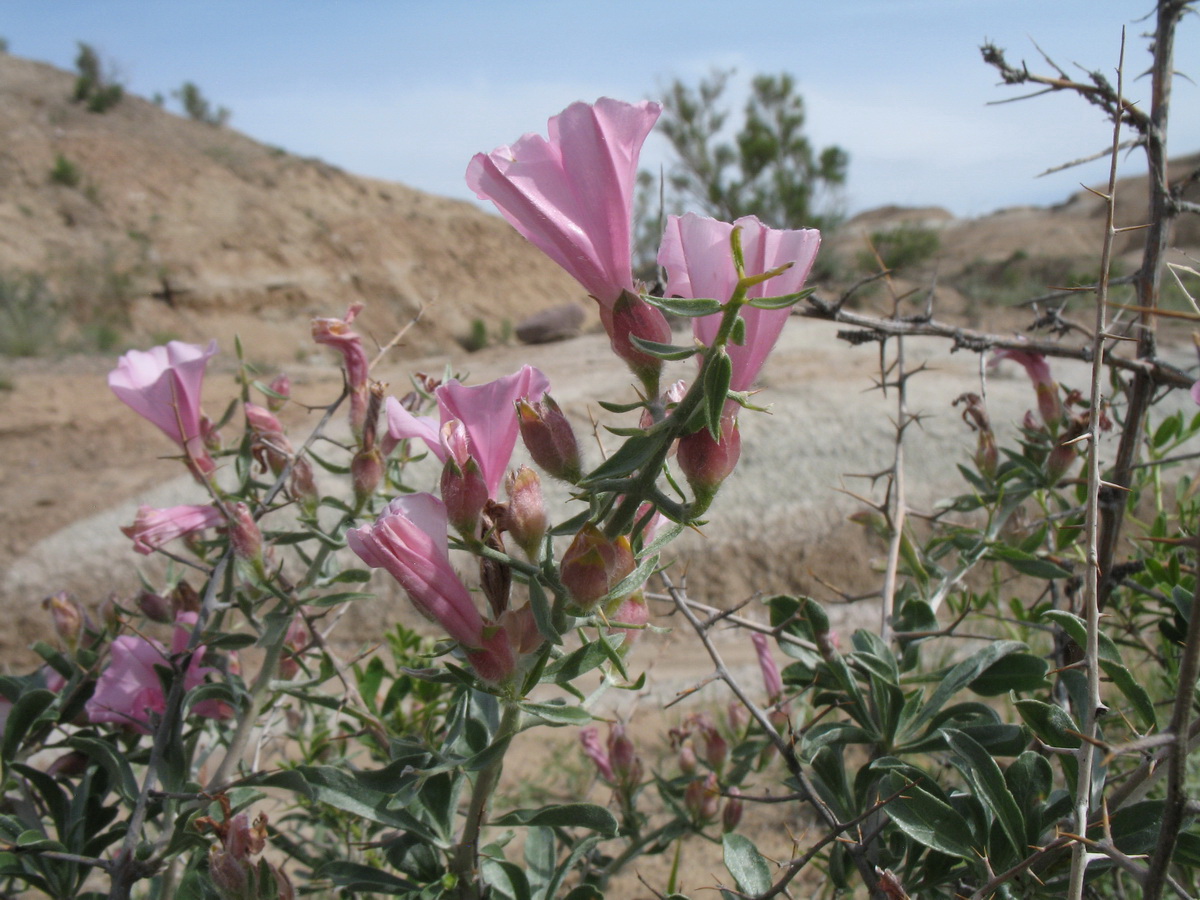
x=408 y=90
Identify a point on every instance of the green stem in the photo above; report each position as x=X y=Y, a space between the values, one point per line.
x=465 y=863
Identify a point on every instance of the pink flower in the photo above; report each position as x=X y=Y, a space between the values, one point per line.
x=130 y=688
x=152 y=528
x=485 y=412
x=1044 y=385
x=572 y=195
x=698 y=258
x=594 y=750
x=162 y=385
x=410 y=541
x=337 y=333
x=772 y=680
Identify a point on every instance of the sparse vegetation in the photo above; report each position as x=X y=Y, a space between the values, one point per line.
x=197 y=107
x=97 y=89
x=902 y=247
x=28 y=316
x=65 y=172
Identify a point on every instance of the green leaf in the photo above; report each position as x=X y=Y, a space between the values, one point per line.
x=927 y=820
x=963 y=674
x=987 y=781
x=22 y=717
x=584 y=659
x=746 y=864
x=717 y=374
x=358 y=878
x=338 y=599
x=553 y=713
x=688 y=308
x=630 y=456
x=1028 y=563
x=564 y=815
x=781 y=302
x=671 y=352
x=505 y=879
x=1016 y=672
x=105 y=755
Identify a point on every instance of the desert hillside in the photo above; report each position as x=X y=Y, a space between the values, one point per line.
x=198 y=230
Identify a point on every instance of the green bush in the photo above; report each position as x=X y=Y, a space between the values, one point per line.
x=98 y=91
x=65 y=172
x=197 y=107
x=902 y=247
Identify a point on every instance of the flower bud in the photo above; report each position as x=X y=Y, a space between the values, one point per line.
x=594 y=750
x=68 y=617
x=495 y=576
x=244 y=534
x=155 y=607
x=631 y=316
x=549 y=438
x=295 y=642
x=627 y=768
x=281 y=392
x=366 y=473
x=738 y=717
x=772 y=681
x=705 y=462
x=702 y=798
x=687 y=759
x=593 y=565
x=716 y=748
x=732 y=814
x=525 y=516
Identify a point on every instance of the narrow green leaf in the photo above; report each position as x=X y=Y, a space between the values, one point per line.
x=987 y=781
x=746 y=864
x=781 y=302
x=338 y=598
x=21 y=718
x=358 y=878
x=927 y=820
x=717 y=375
x=672 y=352
x=686 y=307
x=557 y=713
x=568 y=815
x=630 y=456
x=963 y=674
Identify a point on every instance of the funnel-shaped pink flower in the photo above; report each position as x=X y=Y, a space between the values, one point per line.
x=410 y=541
x=699 y=261
x=1044 y=385
x=152 y=527
x=162 y=385
x=338 y=334
x=772 y=680
x=486 y=413
x=130 y=688
x=572 y=194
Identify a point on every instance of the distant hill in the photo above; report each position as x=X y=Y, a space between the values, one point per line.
x=198 y=230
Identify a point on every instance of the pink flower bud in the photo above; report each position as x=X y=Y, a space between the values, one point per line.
x=770 y=671
x=464 y=490
x=525 y=516
x=630 y=611
x=593 y=565
x=244 y=534
x=295 y=642
x=281 y=392
x=1044 y=385
x=152 y=528
x=705 y=462
x=594 y=750
x=732 y=814
x=627 y=768
x=549 y=438
x=631 y=316
x=68 y=616
x=337 y=333
x=155 y=607
x=366 y=473
x=716 y=748
x=738 y=717
x=702 y=798
x=687 y=759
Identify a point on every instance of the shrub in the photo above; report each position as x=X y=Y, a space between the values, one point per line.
x=197 y=107
x=65 y=172
x=902 y=247
x=97 y=90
